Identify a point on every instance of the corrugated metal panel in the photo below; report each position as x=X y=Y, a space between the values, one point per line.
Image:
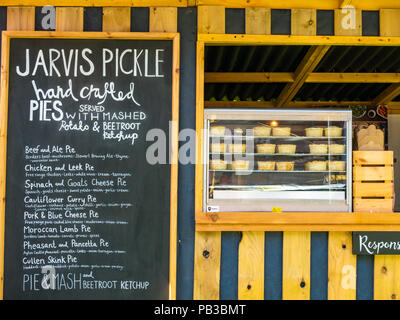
x=287 y=58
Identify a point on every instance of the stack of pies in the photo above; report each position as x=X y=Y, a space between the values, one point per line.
x=336 y=148
x=314 y=132
x=218 y=164
x=316 y=166
x=333 y=131
x=218 y=147
x=336 y=165
x=237 y=148
x=217 y=130
x=281 y=131
x=262 y=131
x=286 y=148
x=318 y=148
x=285 y=166
x=266 y=165
x=240 y=165
x=265 y=148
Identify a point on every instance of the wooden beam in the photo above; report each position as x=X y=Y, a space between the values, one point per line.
x=286 y=40
x=307 y=65
x=293 y=104
x=97 y=3
x=248 y=77
x=301 y=4
x=388 y=94
x=314 y=77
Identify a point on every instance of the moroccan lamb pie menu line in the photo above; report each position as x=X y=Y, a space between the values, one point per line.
x=87 y=212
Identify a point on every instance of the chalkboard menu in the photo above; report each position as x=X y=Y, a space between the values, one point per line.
x=88 y=183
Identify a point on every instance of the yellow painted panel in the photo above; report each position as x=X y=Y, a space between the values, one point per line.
x=163 y=19
x=251 y=266
x=20 y=18
x=348 y=22
x=296 y=266
x=207 y=261
x=389 y=22
x=304 y=22
x=211 y=19
x=342 y=267
x=117 y=19
x=258 y=21
x=387 y=277
x=69 y=19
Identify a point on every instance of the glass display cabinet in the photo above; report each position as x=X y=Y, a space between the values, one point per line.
x=277 y=160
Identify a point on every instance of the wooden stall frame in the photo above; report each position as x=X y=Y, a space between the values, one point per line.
x=285 y=221
x=175 y=38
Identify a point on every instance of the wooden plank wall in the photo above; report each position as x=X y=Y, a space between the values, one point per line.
x=342 y=265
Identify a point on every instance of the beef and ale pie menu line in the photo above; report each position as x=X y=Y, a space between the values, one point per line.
x=87 y=214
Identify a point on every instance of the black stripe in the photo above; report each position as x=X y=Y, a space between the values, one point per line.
x=93 y=19
x=370 y=23
x=234 y=21
x=140 y=19
x=325 y=23
x=281 y=21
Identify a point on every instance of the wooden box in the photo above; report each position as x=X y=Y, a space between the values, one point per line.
x=373 y=187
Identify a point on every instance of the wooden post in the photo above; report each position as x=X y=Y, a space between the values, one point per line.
x=207 y=244
x=18 y=18
x=296 y=245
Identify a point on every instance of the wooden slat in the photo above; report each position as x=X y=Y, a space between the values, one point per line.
x=304 y=22
x=258 y=21
x=206 y=270
x=389 y=22
x=252 y=245
x=340 y=77
x=207 y=263
x=251 y=266
x=372 y=157
x=69 y=19
x=314 y=77
x=163 y=19
x=342 y=266
x=387 y=277
x=345 y=25
x=373 y=205
x=211 y=19
x=296 y=266
x=307 y=65
x=297 y=218
x=20 y=18
x=372 y=173
x=373 y=189
x=248 y=77
x=117 y=19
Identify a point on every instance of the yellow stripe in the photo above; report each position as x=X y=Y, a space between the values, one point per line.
x=342 y=266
